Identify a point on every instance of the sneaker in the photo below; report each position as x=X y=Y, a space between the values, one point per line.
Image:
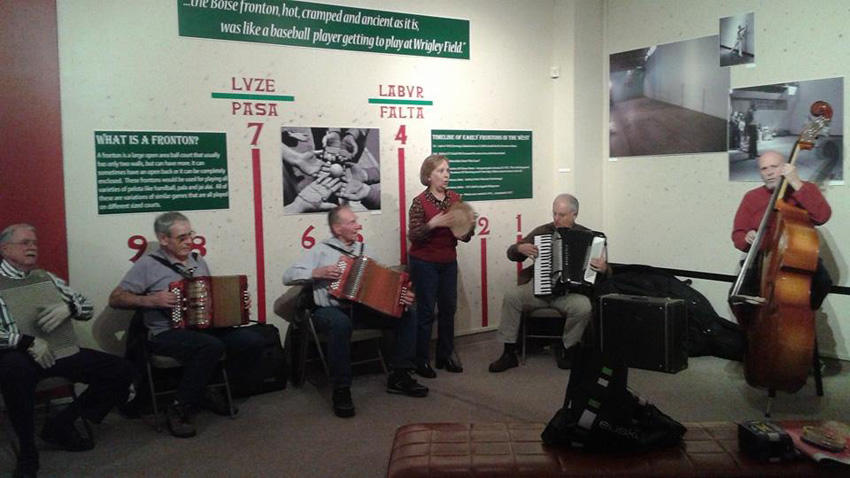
x=401 y=382
x=65 y=436
x=564 y=357
x=216 y=402
x=506 y=361
x=179 y=422
x=343 y=406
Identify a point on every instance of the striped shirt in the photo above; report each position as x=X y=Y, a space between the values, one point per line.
x=81 y=307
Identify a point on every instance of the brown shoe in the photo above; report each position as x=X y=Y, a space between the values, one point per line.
x=179 y=422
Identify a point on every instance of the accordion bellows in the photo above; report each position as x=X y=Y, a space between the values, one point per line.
x=210 y=301
x=366 y=282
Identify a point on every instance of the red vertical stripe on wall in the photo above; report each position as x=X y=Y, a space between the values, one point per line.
x=402 y=205
x=258 y=236
x=31 y=181
x=485 y=319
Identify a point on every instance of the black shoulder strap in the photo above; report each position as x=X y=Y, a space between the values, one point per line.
x=349 y=254
x=170 y=265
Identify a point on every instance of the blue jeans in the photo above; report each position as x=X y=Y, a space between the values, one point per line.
x=337 y=323
x=435 y=284
x=200 y=351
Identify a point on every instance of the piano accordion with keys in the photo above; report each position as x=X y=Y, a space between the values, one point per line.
x=210 y=301
x=367 y=282
x=563 y=260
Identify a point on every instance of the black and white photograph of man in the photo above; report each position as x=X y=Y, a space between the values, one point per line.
x=737 y=40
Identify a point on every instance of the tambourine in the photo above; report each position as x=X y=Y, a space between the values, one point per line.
x=464 y=218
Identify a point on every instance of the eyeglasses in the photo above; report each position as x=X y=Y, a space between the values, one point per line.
x=26 y=243
x=184 y=237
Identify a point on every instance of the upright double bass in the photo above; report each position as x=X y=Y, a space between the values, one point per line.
x=777 y=317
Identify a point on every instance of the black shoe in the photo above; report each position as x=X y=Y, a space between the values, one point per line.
x=65 y=436
x=425 y=371
x=564 y=357
x=506 y=361
x=449 y=364
x=343 y=406
x=401 y=382
x=179 y=421
x=216 y=402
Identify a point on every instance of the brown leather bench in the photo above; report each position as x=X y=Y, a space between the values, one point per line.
x=515 y=450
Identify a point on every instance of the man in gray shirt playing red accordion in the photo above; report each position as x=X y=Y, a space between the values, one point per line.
x=145 y=287
x=26 y=359
x=336 y=318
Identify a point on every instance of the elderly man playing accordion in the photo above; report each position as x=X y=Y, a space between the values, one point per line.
x=337 y=318
x=26 y=359
x=146 y=287
x=575 y=307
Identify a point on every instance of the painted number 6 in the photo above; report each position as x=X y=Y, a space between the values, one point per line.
x=307 y=241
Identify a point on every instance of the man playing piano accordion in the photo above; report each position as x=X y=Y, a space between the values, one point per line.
x=26 y=359
x=575 y=307
x=146 y=287
x=337 y=318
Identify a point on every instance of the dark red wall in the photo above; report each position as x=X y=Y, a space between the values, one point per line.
x=31 y=182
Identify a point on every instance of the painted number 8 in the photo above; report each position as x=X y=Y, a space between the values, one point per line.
x=139 y=244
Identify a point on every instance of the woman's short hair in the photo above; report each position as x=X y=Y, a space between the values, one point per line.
x=428 y=166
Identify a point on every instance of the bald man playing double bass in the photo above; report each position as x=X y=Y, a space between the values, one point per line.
x=805 y=195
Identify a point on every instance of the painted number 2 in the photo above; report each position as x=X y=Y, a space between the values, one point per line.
x=484 y=224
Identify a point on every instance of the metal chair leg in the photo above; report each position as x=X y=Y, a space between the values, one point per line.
x=319 y=347
x=227 y=389
x=816 y=365
x=524 y=331
x=153 y=396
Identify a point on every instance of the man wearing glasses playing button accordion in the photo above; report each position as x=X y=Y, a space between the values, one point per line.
x=37 y=341
x=146 y=286
x=575 y=307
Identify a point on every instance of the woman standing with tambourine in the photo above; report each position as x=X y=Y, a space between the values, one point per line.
x=438 y=219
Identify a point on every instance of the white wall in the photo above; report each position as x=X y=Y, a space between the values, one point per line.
x=124 y=67
x=676 y=211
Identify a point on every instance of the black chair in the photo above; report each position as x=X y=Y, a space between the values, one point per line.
x=138 y=341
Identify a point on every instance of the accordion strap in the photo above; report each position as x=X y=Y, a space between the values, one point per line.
x=166 y=263
x=349 y=254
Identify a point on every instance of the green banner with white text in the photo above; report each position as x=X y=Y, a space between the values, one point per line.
x=320 y=25
x=486 y=165
x=144 y=171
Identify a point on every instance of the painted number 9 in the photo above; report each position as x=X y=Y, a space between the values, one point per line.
x=139 y=244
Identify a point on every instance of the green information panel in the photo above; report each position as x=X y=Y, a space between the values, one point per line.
x=486 y=165
x=160 y=171
x=319 y=25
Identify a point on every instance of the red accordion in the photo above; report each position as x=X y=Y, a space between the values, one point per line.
x=210 y=301
x=366 y=282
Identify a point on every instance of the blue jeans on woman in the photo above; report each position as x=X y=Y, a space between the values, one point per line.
x=435 y=284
